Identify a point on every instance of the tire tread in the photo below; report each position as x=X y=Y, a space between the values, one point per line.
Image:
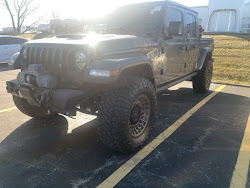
x=113 y=110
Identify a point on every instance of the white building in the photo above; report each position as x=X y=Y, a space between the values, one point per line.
x=225 y=16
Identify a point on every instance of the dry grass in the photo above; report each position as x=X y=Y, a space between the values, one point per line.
x=232 y=59
x=27 y=36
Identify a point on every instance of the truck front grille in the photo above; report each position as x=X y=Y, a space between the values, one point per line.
x=57 y=60
x=53 y=59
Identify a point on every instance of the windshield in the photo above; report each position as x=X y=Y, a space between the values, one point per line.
x=146 y=18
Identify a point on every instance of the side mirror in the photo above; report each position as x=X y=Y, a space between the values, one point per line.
x=174 y=29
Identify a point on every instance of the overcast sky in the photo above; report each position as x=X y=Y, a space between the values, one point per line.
x=78 y=9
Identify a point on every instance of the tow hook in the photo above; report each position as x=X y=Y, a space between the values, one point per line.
x=45 y=101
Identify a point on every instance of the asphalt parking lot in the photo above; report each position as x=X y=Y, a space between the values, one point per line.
x=198 y=141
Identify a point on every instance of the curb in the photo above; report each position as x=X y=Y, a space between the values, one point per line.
x=228 y=84
x=4 y=66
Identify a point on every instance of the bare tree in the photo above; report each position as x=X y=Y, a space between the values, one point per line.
x=19 y=12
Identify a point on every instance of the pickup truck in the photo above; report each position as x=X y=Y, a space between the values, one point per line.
x=115 y=70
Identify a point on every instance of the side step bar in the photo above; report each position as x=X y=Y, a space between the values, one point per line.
x=172 y=83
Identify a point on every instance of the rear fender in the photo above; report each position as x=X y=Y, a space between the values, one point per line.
x=203 y=54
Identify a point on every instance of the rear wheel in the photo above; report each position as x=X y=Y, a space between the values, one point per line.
x=126 y=114
x=202 y=81
x=30 y=110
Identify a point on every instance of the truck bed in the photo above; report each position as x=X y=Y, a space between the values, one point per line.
x=206 y=42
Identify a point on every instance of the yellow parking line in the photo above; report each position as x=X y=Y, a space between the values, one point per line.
x=240 y=174
x=121 y=172
x=8 y=109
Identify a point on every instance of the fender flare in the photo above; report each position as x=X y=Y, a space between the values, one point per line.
x=145 y=64
x=202 y=57
x=123 y=63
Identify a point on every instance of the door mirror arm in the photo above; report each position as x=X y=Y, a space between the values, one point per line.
x=166 y=35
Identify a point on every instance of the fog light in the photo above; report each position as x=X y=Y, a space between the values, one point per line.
x=30 y=79
x=99 y=73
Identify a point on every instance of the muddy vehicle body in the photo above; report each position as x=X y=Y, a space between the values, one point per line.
x=117 y=72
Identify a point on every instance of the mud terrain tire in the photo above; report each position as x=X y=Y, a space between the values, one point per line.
x=202 y=81
x=127 y=114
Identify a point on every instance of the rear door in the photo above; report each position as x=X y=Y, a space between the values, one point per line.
x=192 y=41
x=174 y=50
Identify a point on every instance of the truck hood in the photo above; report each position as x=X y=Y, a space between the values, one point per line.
x=101 y=42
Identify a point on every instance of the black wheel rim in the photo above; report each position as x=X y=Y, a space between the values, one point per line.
x=139 y=116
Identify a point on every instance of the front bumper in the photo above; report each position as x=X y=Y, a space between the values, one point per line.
x=56 y=100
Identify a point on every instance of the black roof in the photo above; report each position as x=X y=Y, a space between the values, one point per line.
x=169 y=2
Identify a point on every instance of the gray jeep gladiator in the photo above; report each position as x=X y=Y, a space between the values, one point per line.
x=115 y=71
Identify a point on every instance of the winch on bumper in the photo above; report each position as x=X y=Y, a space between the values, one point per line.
x=40 y=88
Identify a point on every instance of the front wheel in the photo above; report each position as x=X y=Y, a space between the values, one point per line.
x=30 y=110
x=202 y=81
x=126 y=114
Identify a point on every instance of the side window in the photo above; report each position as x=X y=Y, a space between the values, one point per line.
x=2 y=41
x=12 y=40
x=6 y=41
x=191 y=25
x=21 y=41
x=174 y=19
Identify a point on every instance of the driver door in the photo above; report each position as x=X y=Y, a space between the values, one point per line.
x=174 y=50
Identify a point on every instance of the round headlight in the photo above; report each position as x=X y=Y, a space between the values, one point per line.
x=80 y=60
